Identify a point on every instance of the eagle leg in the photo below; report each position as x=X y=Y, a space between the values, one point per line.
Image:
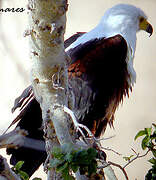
x=79 y=126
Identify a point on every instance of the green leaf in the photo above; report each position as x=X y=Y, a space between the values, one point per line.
x=74 y=167
x=81 y=153
x=151 y=175
x=154 y=153
x=128 y=158
x=148 y=131
x=54 y=163
x=83 y=169
x=62 y=167
x=153 y=161
x=140 y=133
x=19 y=165
x=92 y=153
x=92 y=168
x=57 y=152
x=23 y=175
x=66 y=175
x=81 y=157
x=36 y=178
x=69 y=177
x=145 y=142
x=69 y=157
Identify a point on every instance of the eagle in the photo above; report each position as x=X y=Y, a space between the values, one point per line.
x=100 y=75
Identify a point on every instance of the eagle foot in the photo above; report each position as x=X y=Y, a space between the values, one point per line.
x=80 y=127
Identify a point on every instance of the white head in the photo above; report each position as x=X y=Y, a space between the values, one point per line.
x=126 y=20
x=121 y=19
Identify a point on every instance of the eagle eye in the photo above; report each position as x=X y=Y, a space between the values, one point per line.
x=141 y=19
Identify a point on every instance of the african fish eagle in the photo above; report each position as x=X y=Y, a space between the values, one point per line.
x=101 y=73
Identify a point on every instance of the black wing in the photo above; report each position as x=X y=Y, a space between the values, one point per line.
x=98 y=77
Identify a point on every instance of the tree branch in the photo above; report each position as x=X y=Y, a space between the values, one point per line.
x=5 y=172
x=12 y=139
x=121 y=168
x=136 y=157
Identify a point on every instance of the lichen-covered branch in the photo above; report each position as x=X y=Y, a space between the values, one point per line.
x=12 y=139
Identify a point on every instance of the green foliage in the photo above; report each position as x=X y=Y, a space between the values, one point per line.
x=151 y=175
x=17 y=170
x=149 y=142
x=128 y=158
x=23 y=175
x=66 y=159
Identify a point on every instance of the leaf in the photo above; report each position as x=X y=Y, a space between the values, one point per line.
x=74 y=167
x=140 y=133
x=19 y=165
x=66 y=175
x=92 y=168
x=92 y=153
x=151 y=175
x=154 y=153
x=69 y=178
x=62 y=167
x=145 y=142
x=54 y=163
x=153 y=161
x=69 y=157
x=81 y=157
x=128 y=158
x=148 y=131
x=23 y=175
x=36 y=178
x=83 y=169
x=57 y=152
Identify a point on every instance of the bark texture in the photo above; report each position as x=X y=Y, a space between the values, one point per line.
x=49 y=72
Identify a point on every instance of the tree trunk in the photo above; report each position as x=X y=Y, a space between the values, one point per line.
x=49 y=70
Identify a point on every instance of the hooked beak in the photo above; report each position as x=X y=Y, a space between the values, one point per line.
x=146 y=26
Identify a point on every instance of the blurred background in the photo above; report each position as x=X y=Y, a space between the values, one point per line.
x=137 y=112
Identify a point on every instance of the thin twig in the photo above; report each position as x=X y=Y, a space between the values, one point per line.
x=120 y=167
x=109 y=149
x=104 y=139
x=137 y=156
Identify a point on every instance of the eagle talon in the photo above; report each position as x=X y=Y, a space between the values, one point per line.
x=77 y=125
